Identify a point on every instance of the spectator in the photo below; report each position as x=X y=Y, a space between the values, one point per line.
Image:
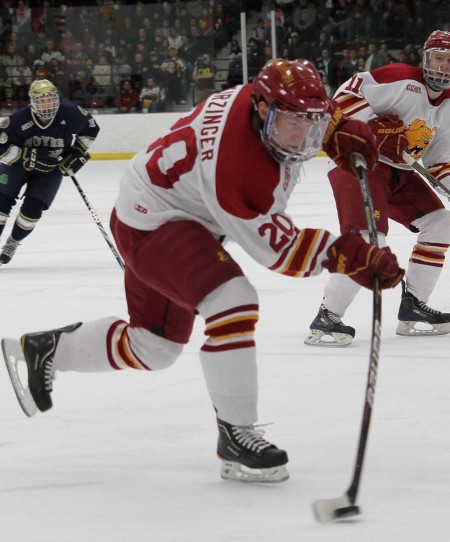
x=127 y=98
x=351 y=66
x=152 y=97
x=40 y=71
x=18 y=42
x=174 y=39
x=235 y=75
x=6 y=90
x=186 y=52
x=11 y=57
x=235 y=50
x=121 y=69
x=58 y=76
x=51 y=52
x=340 y=22
x=30 y=54
x=22 y=18
x=297 y=48
x=79 y=86
x=322 y=43
x=139 y=71
x=67 y=44
x=376 y=58
x=259 y=31
x=305 y=20
x=385 y=50
x=327 y=66
x=174 y=73
x=204 y=74
x=21 y=77
x=363 y=19
x=102 y=76
x=255 y=59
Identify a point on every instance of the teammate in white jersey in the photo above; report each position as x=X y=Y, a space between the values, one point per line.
x=408 y=108
x=224 y=171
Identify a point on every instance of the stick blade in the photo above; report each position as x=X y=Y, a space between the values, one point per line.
x=326 y=510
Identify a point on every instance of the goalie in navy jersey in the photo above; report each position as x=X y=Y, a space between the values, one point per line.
x=224 y=171
x=408 y=109
x=38 y=145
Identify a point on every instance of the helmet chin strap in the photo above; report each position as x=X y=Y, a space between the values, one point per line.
x=434 y=89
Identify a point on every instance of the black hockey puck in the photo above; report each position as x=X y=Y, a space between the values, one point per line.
x=347 y=512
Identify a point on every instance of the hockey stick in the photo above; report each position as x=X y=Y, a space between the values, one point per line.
x=437 y=185
x=99 y=224
x=343 y=507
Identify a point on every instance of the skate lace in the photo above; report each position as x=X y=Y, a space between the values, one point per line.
x=10 y=247
x=251 y=437
x=334 y=318
x=49 y=375
x=428 y=309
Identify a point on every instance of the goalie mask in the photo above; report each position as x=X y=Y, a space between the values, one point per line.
x=297 y=116
x=436 y=60
x=44 y=99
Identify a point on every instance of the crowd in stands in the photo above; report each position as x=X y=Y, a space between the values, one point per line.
x=148 y=56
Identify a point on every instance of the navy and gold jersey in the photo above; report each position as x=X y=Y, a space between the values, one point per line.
x=24 y=129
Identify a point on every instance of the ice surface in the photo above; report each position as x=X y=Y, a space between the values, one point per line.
x=130 y=456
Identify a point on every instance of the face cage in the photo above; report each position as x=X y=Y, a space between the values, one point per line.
x=311 y=144
x=436 y=79
x=40 y=107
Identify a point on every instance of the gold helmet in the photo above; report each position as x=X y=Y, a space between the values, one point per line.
x=44 y=99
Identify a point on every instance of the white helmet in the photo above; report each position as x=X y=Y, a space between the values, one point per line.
x=44 y=99
x=436 y=60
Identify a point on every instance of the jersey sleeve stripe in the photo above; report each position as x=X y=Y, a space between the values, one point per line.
x=351 y=105
x=302 y=259
x=440 y=171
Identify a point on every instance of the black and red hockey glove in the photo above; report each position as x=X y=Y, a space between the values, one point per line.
x=361 y=261
x=345 y=136
x=389 y=132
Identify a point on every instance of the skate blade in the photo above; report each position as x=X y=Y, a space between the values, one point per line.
x=13 y=355
x=415 y=329
x=320 y=338
x=240 y=473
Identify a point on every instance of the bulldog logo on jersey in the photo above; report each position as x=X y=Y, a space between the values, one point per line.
x=419 y=137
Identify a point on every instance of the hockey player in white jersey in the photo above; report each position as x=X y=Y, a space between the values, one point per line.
x=224 y=171
x=408 y=109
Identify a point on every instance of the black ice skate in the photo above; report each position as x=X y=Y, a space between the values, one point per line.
x=248 y=457
x=37 y=351
x=8 y=250
x=327 y=329
x=417 y=318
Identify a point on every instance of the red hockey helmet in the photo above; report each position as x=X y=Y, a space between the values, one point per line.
x=292 y=85
x=436 y=60
x=297 y=116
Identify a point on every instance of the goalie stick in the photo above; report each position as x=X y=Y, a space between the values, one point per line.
x=99 y=224
x=437 y=185
x=343 y=507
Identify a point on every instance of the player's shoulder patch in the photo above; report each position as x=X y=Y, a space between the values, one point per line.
x=4 y=123
x=83 y=111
